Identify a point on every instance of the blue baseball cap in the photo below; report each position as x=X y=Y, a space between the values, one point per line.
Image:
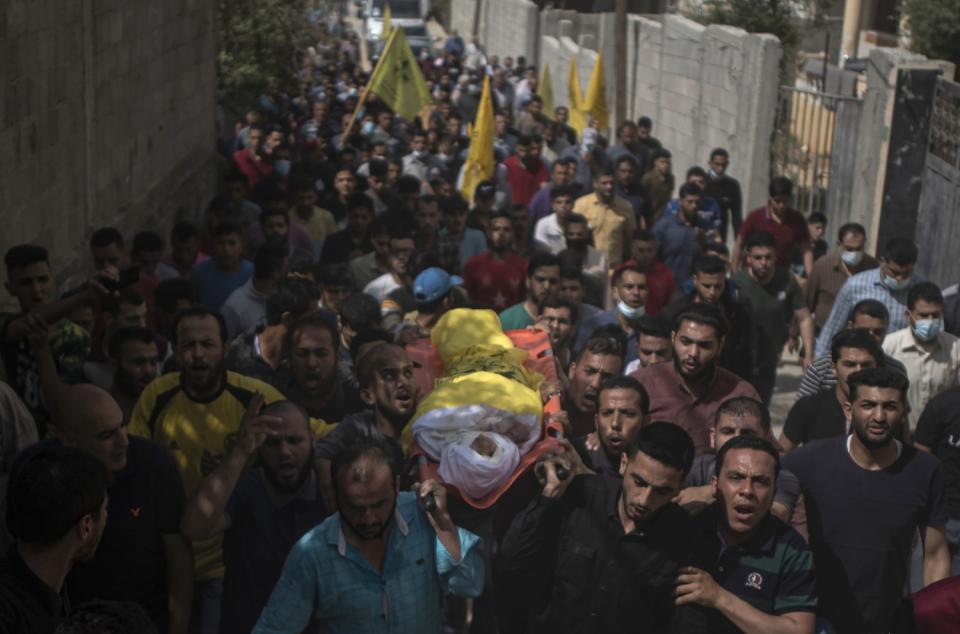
x=432 y=284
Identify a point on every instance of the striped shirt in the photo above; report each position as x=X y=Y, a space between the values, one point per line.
x=866 y=285
x=819 y=376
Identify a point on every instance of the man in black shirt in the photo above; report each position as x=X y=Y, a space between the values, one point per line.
x=56 y=512
x=622 y=407
x=726 y=191
x=938 y=431
x=589 y=556
x=821 y=415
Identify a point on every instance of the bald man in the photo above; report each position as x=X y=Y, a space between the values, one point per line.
x=142 y=556
x=262 y=510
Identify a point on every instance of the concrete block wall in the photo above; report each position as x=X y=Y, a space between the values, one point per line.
x=107 y=118
x=462 y=13
x=510 y=28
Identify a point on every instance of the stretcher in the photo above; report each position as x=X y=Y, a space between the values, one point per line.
x=428 y=368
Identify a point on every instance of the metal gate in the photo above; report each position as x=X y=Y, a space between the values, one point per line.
x=814 y=144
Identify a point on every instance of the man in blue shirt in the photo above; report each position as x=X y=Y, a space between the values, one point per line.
x=679 y=237
x=382 y=563
x=709 y=215
x=214 y=279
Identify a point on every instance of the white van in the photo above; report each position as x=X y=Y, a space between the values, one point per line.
x=403 y=13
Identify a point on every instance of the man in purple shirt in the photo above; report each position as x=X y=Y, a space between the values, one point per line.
x=540 y=206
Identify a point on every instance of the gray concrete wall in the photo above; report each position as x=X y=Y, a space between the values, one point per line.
x=462 y=16
x=507 y=27
x=107 y=117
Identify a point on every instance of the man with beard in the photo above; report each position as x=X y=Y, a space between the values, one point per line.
x=213 y=280
x=600 y=359
x=622 y=408
x=611 y=218
x=310 y=376
x=56 y=511
x=689 y=390
x=142 y=556
x=630 y=293
x=543 y=273
x=134 y=350
x=867 y=494
x=558 y=316
x=763 y=580
x=195 y=413
x=353 y=240
x=246 y=308
x=495 y=278
x=383 y=562
x=262 y=511
x=593 y=554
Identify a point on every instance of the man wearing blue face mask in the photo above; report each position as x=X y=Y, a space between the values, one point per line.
x=931 y=356
x=832 y=270
x=888 y=284
x=629 y=284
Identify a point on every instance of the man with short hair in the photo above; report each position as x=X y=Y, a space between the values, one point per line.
x=867 y=494
x=592 y=262
x=137 y=360
x=548 y=233
x=658 y=182
x=353 y=240
x=56 y=512
x=399 y=557
x=469 y=241
x=184 y=248
x=821 y=415
x=337 y=201
x=622 y=408
x=763 y=580
x=645 y=136
x=496 y=278
x=316 y=221
x=787 y=226
x=691 y=389
x=214 y=279
x=709 y=217
x=611 y=218
x=931 y=356
x=261 y=511
x=543 y=273
x=726 y=191
x=558 y=316
x=434 y=293
x=540 y=205
x=601 y=358
x=589 y=546
x=402 y=245
x=660 y=282
x=627 y=186
x=630 y=147
x=654 y=343
x=365 y=268
x=572 y=287
x=630 y=294
x=679 y=236
x=246 y=307
x=775 y=299
x=526 y=171
x=429 y=240
x=889 y=284
x=831 y=271
x=124 y=309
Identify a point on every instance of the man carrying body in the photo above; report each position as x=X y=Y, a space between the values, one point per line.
x=543 y=273
x=622 y=408
x=601 y=358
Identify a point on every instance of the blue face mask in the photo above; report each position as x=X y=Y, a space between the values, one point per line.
x=632 y=314
x=851 y=258
x=281 y=167
x=369 y=127
x=927 y=329
x=895 y=285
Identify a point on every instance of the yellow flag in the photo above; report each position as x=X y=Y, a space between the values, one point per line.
x=545 y=90
x=480 y=162
x=387 y=15
x=397 y=79
x=575 y=120
x=595 y=103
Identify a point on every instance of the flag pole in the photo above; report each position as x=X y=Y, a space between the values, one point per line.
x=366 y=89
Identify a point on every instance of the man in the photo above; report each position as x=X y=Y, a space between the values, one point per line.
x=831 y=271
x=630 y=294
x=764 y=571
x=775 y=298
x=931 y=356
x=137 y=359
x=543 y=273
x=587 y=547
x=590 y=260
x=654 y=343
x=194 y=413
x=486 y=200
x=337 y=201
x=434 y=293
x=658 y=182
x=622 y=408
x=787 y=226
x=938 y=431
x=644 y=136
x=559 y=318
x=888 y=284
x=611 y=218
x=540 y=205
x=496 y=278
x=18 y=432
x=817 y=225
x=504 y=142
x=246 y=307
x=630 y=146
x=601 y=358
x=821 y=415
x=531 y=120
x=365 y=268
x=444 y=250
x=142 y=556
x=660 y=281
x=125 y=309
x=736 y=417
x=526 y=171
x=679 y=237
x=710 y=286
x=214 y=279
x=572 y=287
x=548 y=234
x=184 y=248
x=400 y=558
x=56 y=512
x=353 y=240
x=469 y=241
x=851 y=486
x=252 y=160
x=261 y=511
x=627 y=186
x=310 y=378
x=709 y=217
x=726 y=191
x=869 y=315
x=561 y=115
x=402 y=245
x=691 y=389
x=316 y=221
x=274 y=227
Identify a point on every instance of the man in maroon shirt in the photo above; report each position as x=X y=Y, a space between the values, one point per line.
x=526 y=171
x=497 y=278
x=688 y=391
x=787 y=225
x=660 y=282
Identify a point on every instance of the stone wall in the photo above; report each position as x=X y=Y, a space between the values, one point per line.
x=107 y=118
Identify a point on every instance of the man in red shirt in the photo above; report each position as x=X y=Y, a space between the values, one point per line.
x=497 y=278
x=660 y=282
x=526 y=171
x=787 y=225
x=252 y=160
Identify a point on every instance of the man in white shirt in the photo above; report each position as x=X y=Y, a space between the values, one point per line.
x=931 y=356
x=548 y=234
x=401 y=248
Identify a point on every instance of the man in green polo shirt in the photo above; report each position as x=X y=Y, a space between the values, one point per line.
x=543 y=275
x=763 y=579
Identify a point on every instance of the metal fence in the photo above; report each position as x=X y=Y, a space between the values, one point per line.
x=814 y=144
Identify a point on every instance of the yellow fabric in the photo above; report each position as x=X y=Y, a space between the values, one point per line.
x=611 y=225
x=463 y=328
x=576 y=119
x=321 y=223
x=480 y=163
x=397 y=79
x=387 y=19
x=545 y=90
x=595 y=103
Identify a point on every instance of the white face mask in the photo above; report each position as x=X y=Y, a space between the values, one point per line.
x=630 y=313
x=851 y=258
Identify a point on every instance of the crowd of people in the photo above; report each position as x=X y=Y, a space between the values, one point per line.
x=204 y=431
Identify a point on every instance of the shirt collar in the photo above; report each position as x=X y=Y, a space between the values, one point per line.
x=763 y=541
x=683 y=386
